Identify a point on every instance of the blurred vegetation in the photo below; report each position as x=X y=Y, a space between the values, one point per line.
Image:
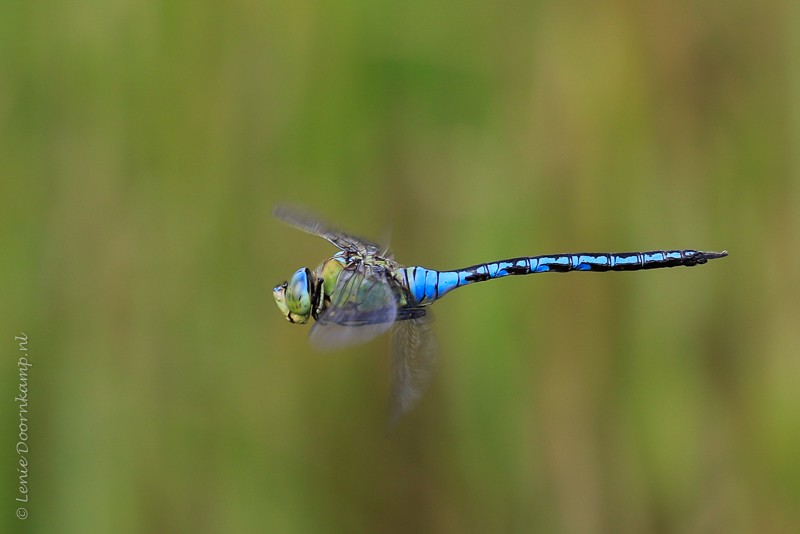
x=143 y=145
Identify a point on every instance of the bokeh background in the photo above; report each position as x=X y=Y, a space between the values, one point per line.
x=143 y=145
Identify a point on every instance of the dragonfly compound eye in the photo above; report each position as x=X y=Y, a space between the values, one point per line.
x=297 y=296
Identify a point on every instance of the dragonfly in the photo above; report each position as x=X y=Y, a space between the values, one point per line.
x=361 y=292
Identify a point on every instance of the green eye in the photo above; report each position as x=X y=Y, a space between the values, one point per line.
x=298 y=294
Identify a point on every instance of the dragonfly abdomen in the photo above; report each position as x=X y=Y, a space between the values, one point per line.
x=428 y=285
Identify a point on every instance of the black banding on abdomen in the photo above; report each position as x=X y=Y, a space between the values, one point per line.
x=477 y=277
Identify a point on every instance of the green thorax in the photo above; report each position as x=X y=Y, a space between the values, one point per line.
x=332 y=268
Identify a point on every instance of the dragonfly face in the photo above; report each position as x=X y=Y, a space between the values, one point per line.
x=296 y=299
x=307 y=293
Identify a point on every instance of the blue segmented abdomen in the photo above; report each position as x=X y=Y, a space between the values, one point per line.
x=428 y=285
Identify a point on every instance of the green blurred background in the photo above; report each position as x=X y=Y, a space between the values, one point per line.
x=143 y=145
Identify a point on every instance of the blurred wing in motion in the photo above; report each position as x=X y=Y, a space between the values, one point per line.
x=413 y=363
x=306 y=222
x=362 y=306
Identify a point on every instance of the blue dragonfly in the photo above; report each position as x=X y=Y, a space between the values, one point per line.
x=361 y=292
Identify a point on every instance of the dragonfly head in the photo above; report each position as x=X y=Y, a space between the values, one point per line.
x=295 y=297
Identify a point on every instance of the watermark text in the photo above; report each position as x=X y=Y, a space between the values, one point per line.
x=24 y=365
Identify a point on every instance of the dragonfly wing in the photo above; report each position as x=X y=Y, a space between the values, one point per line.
x=362 y=306
x=306 y=222
x=413 y=363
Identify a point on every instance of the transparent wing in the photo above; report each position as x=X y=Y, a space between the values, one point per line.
x=309 y=223
x=413 y=363
x=362 y=306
